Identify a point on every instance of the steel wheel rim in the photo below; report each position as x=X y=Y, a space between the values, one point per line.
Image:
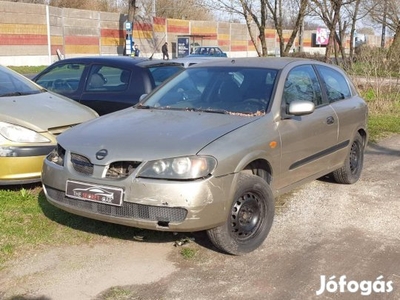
x=355 y=157
x=246 y=216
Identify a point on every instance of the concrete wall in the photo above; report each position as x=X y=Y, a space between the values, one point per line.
x=35 y=34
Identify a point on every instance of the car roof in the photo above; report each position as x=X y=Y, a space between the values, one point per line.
x=192 y=60
x=122 y=61
x=257 y=62
x=158 y=62
x=90 y=59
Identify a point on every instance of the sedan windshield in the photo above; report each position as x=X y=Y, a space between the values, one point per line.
x=13 y=84
x=217 y=90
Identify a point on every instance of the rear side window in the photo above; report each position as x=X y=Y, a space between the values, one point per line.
x=108 y=79
x=335 y=84
x=162 y=73
x=63 y=78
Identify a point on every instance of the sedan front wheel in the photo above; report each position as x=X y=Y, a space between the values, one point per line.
x=250 y=218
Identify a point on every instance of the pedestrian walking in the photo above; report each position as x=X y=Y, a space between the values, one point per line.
x=164 y=50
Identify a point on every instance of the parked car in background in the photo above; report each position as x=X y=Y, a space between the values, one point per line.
x=211 y=51
x=211 y=148
x=106 y=83
x=30 y=120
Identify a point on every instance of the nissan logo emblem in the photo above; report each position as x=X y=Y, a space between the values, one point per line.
x=101 y=154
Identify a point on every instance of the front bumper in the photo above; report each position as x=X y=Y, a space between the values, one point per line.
x=184 y=206
x=20 y=170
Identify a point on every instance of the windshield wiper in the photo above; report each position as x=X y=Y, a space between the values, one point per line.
x=209 y=110
x=143 y=106
x=11 y=94
x=19 y=93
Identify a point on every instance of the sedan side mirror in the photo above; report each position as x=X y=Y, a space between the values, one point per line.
x=301 y=108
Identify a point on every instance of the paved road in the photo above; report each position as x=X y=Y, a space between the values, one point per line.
x=321 y=230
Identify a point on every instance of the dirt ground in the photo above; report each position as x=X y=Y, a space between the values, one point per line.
x=321 y=229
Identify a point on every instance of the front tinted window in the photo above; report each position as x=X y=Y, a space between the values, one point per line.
x=215 y=89
x=63 y=78
x=302 y=84
x=336 y=85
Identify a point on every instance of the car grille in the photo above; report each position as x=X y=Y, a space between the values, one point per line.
x=81 y=164
x=121 y=169
x=127 y=210
x=117 y=170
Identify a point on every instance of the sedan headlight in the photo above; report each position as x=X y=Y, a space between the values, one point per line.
x=179 y=168
x=57 y=156
x=20 y=134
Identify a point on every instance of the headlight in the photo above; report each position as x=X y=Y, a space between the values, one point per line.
x=179 y=168
x=57 y=155
x=20 y=134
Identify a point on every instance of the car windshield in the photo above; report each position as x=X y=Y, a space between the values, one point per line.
x=63 y=78
x=13 y=84
x=225 y=90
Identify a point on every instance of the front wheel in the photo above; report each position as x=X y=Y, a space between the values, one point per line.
x=250 y=218
x=351 y=170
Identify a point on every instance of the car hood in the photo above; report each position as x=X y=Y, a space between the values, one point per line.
x=43 y=111
x=146 y=134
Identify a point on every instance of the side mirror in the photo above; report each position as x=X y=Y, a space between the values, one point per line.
x=301 y=108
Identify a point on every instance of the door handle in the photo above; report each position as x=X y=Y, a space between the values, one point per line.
x=330 y=120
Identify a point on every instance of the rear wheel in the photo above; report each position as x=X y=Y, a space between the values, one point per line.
x=250 y=218
x=351 y=170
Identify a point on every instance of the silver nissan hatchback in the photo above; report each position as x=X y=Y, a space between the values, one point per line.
x=211 y=149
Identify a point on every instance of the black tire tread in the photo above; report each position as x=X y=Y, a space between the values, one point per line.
x=343 y=175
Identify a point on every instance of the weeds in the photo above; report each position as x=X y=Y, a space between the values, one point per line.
x=188 y=253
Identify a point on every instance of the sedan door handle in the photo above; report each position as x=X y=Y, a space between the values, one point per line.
x=330 y=120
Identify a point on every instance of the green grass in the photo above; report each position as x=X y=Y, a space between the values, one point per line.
x=117 y=293
x=27 y=69
x=384 y=112
x=28 y=221
x=381 y=126
x=188 y=253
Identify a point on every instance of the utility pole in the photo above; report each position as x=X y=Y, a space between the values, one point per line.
x=129 y=27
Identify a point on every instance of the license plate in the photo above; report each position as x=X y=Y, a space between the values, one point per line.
x=96 y=193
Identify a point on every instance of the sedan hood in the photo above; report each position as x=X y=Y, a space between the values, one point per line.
x=43 y=111
x=145 y=134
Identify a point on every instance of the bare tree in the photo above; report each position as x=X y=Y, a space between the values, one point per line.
x=131 y=10
x=173 y=9
x=263 y=12
x=387 y=13
x=99 y=5
x=338 y=16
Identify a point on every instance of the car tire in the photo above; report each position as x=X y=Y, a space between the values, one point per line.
x=351 y=170
x=250 y=218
